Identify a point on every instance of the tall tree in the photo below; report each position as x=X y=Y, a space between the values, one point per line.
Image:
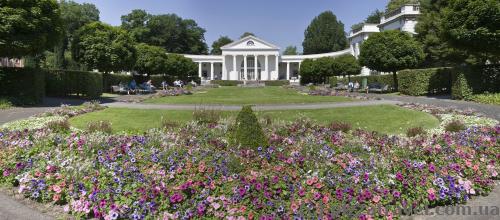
x=28 y=27
x=216 y=45
x=103 y=47
x=181 y=68
x=473 y=25
x=390 y=51
x=290 y=50
x=395 y=4
x=247 y=34
x=374 y=17
x=324 y=34
x=74 y=16
x=151 y=60
x=430 y=33
x=346 y=65
x=174 y=34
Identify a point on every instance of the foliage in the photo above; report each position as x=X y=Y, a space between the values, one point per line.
x=28 y=27
x=415 y=131
x=460 y=87
x=276 y=82
x=248 y=132
x=99 y=126
x=305 y=168
x=151 y=60
x=5 y=103
x=455 y=126
x=346 y=65
x=340 y=126
x=174 y=34
x=390 y=51
x=206 y=116
x=59 y=126
x=417 y=82
x=324 y=34
x=374 y=17
x=114 y=80
x=74 y=16
x=216 y=45
x=167 y=123
x=395 y=4
x=24 y=86
x=472 y=25
x=68 y=83
x=103 y=47
x=290 y=50
x=226 y=82
x=31 y=123
x=246 y=34
x=430 y=33
x=181 y=68
x=487 y=98
x=378 y=79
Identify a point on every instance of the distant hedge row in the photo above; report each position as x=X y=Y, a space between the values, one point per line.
x=382 y=79
x=69 y=83
x=24 y=86
x=226 y=82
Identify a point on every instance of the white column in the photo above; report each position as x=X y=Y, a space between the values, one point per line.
x=287 y=70
x=211 y=70
x=245 y=70
x=298 y=76
x=277 y=67
x=234 y=68
x=255 y=66
x=199 y=69
x=267 y=67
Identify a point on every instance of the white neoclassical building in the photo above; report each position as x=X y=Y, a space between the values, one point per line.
x=252 y=58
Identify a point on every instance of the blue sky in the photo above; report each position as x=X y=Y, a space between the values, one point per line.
x=281 y=22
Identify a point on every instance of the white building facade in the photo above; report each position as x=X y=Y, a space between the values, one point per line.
x=253 y=59
x=403 y=19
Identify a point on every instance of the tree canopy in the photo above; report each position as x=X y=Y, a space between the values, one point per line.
x=151 y=60
x=346 y=65
x=103 y=47
x=28 y=27
x=290 y=50
x=181 y=68
x=395 y=4
x=373 y=18
x=473 y=25
x=390 y=51
x=174 y=34
x=324 y=34
x=247 y=34
x=216 y=45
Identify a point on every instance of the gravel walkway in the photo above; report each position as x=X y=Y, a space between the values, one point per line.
x=11 y=209
x=256 y=107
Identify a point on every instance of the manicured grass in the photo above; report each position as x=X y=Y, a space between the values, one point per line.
x=492 y=98
x=383 y=118
x=237 y=95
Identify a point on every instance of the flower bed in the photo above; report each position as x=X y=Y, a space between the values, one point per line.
x=173 y=92
x=308 y=170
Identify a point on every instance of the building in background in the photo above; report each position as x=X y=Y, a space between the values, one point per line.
x=11 y=62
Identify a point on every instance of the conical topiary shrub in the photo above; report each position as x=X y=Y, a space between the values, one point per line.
x=248 y=132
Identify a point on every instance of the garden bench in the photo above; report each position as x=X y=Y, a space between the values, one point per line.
x=378 y=88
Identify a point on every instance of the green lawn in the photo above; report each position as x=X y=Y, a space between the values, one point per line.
x=237 y=95
x=383 y=118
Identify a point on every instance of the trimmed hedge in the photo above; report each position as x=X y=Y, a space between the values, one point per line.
x=115 y=79
x=276 y=82
x=226 y=82
x=475 y=80
x=79 y=83
x=23 y=86
x=416 y=82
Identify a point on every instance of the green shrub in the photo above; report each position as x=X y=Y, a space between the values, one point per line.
x=249 y=133
x=492 y=99
x=276 y=82
x=79 y=83
x=206 y=116
x=59 y=126
x=382 y=79
x=226 y=82
x=333 y=81
x=340 y=126
x=412 y=132
x=460 y=87
x=114 y=80
x=99 y=126
x=5 y=103
x=416 y=82
x=455 y=126
x=24 y=86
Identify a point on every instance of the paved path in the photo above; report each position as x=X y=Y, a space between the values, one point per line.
x=11 y=209
x=492 y=111
x=19 y=113
x=256 y=107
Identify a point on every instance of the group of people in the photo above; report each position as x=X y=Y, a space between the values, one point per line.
x=133 y=87
x=353 y=86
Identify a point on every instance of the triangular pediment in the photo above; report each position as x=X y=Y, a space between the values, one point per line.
x=250 y=43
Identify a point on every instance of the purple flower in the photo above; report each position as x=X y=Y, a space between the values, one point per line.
x=396 y=194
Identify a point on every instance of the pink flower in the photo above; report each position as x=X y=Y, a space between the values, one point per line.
x=376 y=199
x=216 y=205
x=56 y=189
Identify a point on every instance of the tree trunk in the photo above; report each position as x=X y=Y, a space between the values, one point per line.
x=395 y=79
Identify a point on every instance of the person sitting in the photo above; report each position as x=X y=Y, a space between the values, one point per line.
x=164 y=85
x=132 y=86
x=350 y=86
x=149 y=86
x=356 y=86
